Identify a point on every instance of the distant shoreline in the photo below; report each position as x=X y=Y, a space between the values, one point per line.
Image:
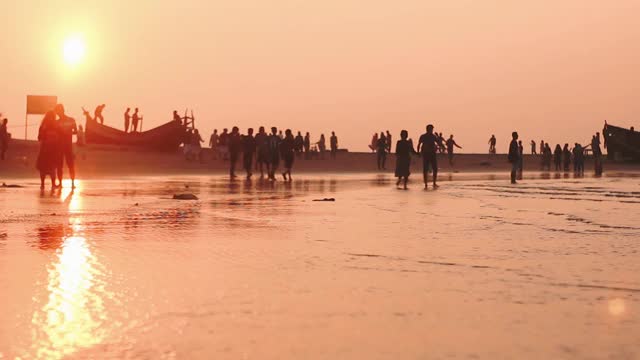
x=95 y=161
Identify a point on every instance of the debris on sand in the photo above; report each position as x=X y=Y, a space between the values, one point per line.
x=325 y=199
x=185 y=197
x=12 y=186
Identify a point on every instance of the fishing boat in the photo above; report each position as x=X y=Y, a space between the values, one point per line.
x=621 y=143
x=166 y=137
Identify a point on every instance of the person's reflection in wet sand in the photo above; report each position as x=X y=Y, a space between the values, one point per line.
x=51 y=237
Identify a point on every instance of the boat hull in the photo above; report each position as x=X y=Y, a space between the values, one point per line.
x=621 y=144
x=167 y=137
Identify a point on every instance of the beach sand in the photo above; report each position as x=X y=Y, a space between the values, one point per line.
x=478 y=269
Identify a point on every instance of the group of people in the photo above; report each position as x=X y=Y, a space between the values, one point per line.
x=220 y=146
x=383 y=146
x=131 y=121
x=428 y=147
x=56 y=147
x=563 y=157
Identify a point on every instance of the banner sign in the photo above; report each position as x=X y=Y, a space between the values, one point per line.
x=39 y=105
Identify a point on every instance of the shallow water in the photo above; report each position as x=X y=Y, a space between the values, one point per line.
x=477 y=269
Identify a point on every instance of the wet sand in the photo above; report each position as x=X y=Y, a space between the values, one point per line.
x=476 y=269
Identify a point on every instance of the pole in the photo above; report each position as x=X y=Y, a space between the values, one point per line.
x=26 y=115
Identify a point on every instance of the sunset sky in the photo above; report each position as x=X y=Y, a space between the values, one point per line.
x=552 y=70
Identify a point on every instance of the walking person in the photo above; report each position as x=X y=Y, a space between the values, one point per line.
x=322 y=146
x=235 y=146
x=287 y=147
x=541 y=147
x=533 y=147
x=274 y=153
x=49 y=136
x=135 y=119
x=381 y=151
x=450 y=145
x=223 y=144
x=492 y=144
x=404 y=150
x=514 y=156
x=566 y=157
x=262 y=148
x=557 y=157
x=213 y=144
x=333 y=141
x=428 y=146
x=127 y=120
x=4 y=138
x=248 y=149
x=68 y=128
x=374 y=143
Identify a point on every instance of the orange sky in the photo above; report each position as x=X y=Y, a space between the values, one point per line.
x=549 y=69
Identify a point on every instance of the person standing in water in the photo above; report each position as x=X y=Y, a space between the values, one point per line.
x=322 y=146
x=49 y=136
x=248 y=149
x=274 y=153
x=135 y=119
x=450 y=144
x=428 y=146
x=307 y=145
x=97 y=114
x=597 y=153
x=566 y=157
x=381 y=151
x=213 y=144
x=299 y=144
x=68 y=128
x=404 y=149
x=333 y=141
x=557 y=157
x=4 y=138
x=514 y=156
x=262 y=149
x=235 y=146
x=492 y=144
x=127 y=120
x=389 y=143
x=287 y=147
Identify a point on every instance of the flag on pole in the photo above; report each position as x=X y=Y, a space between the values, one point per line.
x=39 y=105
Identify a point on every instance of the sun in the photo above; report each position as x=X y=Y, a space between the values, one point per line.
x=73 y=50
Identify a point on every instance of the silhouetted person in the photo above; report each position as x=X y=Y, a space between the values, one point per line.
x=274 y=153
x=520 y=159
x=235 y=146
x=213 y=144
x=578 y=159
x=533 y=147
x=223 y=144
x=49 y=136
x=80 y=141
x=566 y=157
x=450 y=145
x=514 y=156
x=541 y=147
x=333 y=141
x=546 y=157
x=322 y=146
x=374 y=143
x=404 y=149
x=262 y=144
x=135 y=119
x=557 y=157
x=287 y=147
x=381 y=151
x=248 y=149
x=280 y=135
x=127 y=120
x=389 y=142
x=307 y=145
x=299 y=144
x=4 y=138
x=428 y=146
x=68 y=128
x=196 y=144
x=597 y=153
x=176 y=117
x=97 y=114
x=492 y=144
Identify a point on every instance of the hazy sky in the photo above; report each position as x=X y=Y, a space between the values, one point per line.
x=551 y=69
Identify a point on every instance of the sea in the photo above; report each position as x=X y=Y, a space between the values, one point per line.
x=326 y=267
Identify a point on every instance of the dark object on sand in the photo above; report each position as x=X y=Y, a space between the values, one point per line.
x=485 y=163
x=621 y=144
x=185 y=197
x=325 y=199
x=11 y=186
x=167 y=137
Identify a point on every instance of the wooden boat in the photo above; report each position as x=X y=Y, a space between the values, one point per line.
x=621 y=144
x=167 y=137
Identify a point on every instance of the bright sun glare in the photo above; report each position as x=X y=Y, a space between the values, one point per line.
x=74 y=50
